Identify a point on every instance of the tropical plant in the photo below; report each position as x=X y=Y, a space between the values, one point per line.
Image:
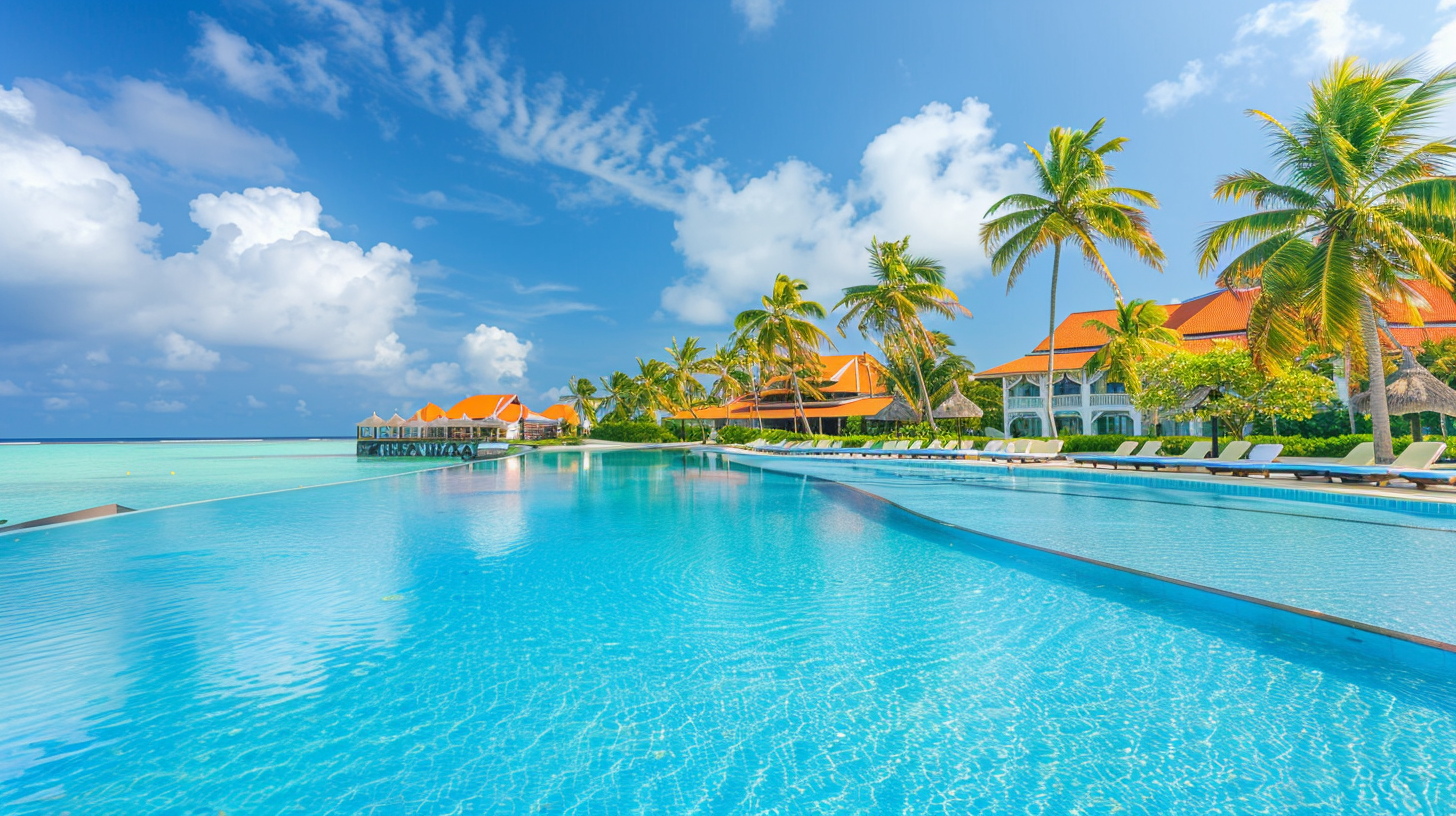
x=1361 y=205
x=682 y=390
x=784 y=330
x=905 y=287
x=583 y=399
x=1137 y=333
x=1236 y=388
x=1076 y=205
x=731 y=367
x=652 y=388
x=620 y=397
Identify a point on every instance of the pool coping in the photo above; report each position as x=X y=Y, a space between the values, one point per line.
x=1416 y=651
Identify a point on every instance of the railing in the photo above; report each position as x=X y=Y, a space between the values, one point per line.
x=1013 y=403
x=1111 y=399
x=1067 y=401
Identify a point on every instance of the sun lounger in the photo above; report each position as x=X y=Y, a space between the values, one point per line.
x=1260 y=457
x=1419 y=456
x=1146 y=455
x=1039 y=451
x=1425 y=478
x=1015 y=449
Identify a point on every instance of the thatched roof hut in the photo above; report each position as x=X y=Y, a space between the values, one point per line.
x=1411 y=390
x=897 y=411
x=957 y=406
x=374 y=421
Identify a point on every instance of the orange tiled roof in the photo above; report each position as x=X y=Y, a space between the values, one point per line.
x=830 y=409
x=1222 y=312
x=562 y=411
x=1072 y=335
x=1037 y=363
x=505 y=407
x=844 y=374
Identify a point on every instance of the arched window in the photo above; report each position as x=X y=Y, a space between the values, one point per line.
x=1113 y=424
x=1026 y=425
x=1066 y=387
x=1069 y=424
x=1026 y=388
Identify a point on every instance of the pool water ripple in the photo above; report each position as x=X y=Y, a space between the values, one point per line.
x=656 y=633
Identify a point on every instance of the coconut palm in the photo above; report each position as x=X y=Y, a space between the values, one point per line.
x=652 y=388
x=730 y=367
x=583 y=398
x=906 y=286
x=784 y=329
x=1076 y=205
x=682 y=389
x=1138 y=332
x=620 y=396
x=1361 y=205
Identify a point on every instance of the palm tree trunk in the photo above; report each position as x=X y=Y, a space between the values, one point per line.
x=1052 y=342
x=1375 y=365
x=1349 y=408
x=920 y=375
x=799 y=402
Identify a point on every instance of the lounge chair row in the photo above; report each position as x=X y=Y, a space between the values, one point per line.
x=1413 y=465
x=1017 y=450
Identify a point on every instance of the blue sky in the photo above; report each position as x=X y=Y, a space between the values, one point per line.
x=249 y=218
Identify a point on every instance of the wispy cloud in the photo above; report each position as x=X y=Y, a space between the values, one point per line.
x=1171 y=94
x=521 y=289
x=473 y=201
x=759 y=15
x=298 y=74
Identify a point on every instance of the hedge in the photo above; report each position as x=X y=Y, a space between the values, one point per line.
x=632 y=432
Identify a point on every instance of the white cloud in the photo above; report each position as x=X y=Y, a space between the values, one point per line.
x=933 y=176
x=437 y=379
x=181 y=354
x=161 y=406
x=760 y=15
x=1169 y=95
x=80 y=262
x=252 y=70
x=423 y=221
x=142 y=121
x=99 y=357
x=10 y=389
x=255 y=403
x=302 y=408
x=474 y=201
x=1331 y=29
x=494 y=358
x=551 y=396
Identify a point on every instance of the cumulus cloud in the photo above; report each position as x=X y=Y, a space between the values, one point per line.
x=299 y=74
x=1169 y=95
x=494 y=358
x=255 y=403
x=934 y=175
x=62 y=403
x=760 y=15
x=302 y=409
x=181 y=354
x=142 y=122
x=267 y=276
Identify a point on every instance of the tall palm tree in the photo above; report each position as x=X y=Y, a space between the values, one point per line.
x=683 y=390
x=583 y=398
x=1137 y=333
x=1362 y=204
x=620 y=396
x=729 y=365
x=905 y=287
x=784 y=328
x=652 y=388
x=1076 y=205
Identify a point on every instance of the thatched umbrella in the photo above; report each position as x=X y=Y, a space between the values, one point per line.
x=957 y=407
x=1411 y=390
x=897 y=411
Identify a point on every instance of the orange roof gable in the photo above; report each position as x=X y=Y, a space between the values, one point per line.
x=1072 y=335
x=861 y=406
x=562 y=411
x=1037 y=364
x=505 y=407
x=1221 y=312
x=429 y=413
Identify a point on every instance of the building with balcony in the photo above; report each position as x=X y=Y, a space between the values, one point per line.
x=1087 y=403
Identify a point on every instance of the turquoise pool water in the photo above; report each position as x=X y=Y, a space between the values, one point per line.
x=655 y=633
x=46 y=479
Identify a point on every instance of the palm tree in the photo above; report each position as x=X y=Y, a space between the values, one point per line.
x=1362 y=204
x=1077 y=205
x=683 y=391
x=730 y=366
x=1138 y=333
x=584 y=400
x=620 y=393
x=905 y=286
x=783 y=328
x=651 y=385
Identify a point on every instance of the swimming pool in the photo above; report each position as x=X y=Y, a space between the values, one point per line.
x=655 y=632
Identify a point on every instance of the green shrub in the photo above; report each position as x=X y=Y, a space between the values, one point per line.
x=632 y=432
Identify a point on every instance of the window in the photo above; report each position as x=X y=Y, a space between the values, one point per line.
x=1066 y=387
x=1026 y=389
x=1026 y=425
x=1069 y=424
x=1113 y=424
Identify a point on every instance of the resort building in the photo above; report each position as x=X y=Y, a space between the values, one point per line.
x=1086 y=403
x=850 y=385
